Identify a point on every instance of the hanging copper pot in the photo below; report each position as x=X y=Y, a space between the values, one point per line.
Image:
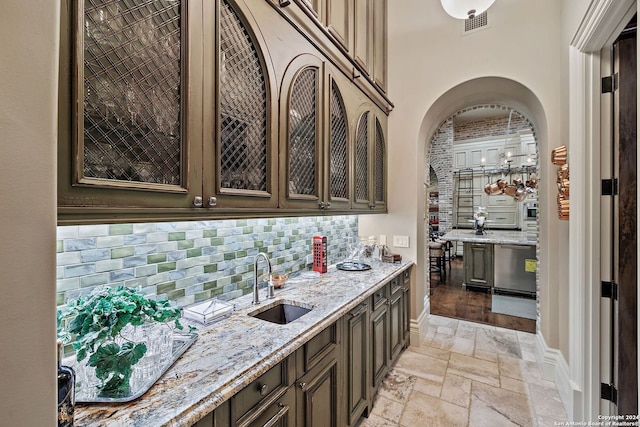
x=521 y=193
x=494 y=189
x=510 y=190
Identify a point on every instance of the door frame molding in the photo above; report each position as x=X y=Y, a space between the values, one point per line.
x=580 y=386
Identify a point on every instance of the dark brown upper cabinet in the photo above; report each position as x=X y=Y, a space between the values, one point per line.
x=196 y=109
x=314 y=132
x=370 y=162
x=166 y=111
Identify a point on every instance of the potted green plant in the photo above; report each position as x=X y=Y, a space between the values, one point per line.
x=96 y=323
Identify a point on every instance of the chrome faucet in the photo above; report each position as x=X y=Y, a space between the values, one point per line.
x=270 y=287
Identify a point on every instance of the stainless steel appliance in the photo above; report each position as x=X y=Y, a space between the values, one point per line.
x=530 y=211
x=515 y=269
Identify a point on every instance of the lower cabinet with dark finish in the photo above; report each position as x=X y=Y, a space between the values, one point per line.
x=478 y=264
x=317 y=396
x=396 y=315
x=380 y=341
x=318 y=376
x=280 y=412
x=356 y=362
x=332 y=379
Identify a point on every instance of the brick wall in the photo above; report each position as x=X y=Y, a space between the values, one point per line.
x=440 y=153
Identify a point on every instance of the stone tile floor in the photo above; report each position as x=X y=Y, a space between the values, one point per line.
x=467 y=374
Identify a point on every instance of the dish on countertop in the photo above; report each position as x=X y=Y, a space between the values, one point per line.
x=353 y=266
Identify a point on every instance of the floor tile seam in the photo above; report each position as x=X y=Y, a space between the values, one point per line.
x=523 y=373
x=526 y=393
x=453 y=403
x=391 y=421
x=490 y=404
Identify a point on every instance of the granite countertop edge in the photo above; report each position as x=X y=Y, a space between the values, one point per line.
x=199 y=382
x=498 y=237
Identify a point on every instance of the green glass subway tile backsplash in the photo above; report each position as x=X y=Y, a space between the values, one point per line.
x=192 y=261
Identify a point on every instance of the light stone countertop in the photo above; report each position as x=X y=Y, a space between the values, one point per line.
x=492 y=236
x=231 y=353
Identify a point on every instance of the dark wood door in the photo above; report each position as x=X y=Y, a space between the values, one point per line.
x=357 y=356
x=625 y=369
x=379 y=345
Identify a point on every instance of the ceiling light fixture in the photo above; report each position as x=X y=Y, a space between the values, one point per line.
x=465 y=9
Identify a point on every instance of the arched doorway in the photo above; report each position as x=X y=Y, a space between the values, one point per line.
x=472 y=148
x=507 y=92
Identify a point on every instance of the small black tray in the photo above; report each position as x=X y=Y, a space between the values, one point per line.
x=353 y=266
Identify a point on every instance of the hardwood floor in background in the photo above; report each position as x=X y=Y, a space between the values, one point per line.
x=450 y=299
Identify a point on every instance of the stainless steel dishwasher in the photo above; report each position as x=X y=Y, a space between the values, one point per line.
x=515 y=269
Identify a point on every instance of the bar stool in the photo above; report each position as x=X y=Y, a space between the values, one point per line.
x=446 y=247
x=436 y=260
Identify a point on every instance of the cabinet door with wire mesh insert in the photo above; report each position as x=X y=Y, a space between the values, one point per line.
x=339 y=149
x=301 y=117
x=129 y=129
x=243 y=110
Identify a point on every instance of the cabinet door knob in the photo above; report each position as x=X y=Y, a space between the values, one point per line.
x=303 y=386
x=197 y=202
x=263 y=389
x=212 y=201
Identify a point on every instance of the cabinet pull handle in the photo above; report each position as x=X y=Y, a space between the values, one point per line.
x=197 y=202
x=303 y=386
x=263 y=389
x=322 y=205
x=361 y=310
x=277 y=417
x=212 y=201
x=284 y=3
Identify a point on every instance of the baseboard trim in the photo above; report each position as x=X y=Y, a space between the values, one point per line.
x=554 y=368
x=418 y=328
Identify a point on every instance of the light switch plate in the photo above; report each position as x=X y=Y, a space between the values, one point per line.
x=401 y=241
x=383 y=239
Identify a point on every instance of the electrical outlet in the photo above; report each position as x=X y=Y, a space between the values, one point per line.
x=401 y=241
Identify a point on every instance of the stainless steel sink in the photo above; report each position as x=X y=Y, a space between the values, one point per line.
x=282 y=311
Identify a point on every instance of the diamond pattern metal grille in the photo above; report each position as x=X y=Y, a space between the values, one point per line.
x=131 y=90
x=243 y=107
x=362 y=158
x=302 y=139
x=339 y=165
x=379 y=163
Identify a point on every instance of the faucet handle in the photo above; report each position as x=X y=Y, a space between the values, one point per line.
x=270 y=289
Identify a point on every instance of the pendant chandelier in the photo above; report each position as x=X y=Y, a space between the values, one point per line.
x=465 y=9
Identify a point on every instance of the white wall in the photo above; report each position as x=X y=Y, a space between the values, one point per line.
x=428 y=56
x=28 y=123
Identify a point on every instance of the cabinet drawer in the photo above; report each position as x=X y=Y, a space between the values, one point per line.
x=396 y=285
x=317 y=348
x=501 y=218
x=380 y=297
x=468 y=201
x=269 y=384
x=406 y=276
x=279 y=413
x=500 y=201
